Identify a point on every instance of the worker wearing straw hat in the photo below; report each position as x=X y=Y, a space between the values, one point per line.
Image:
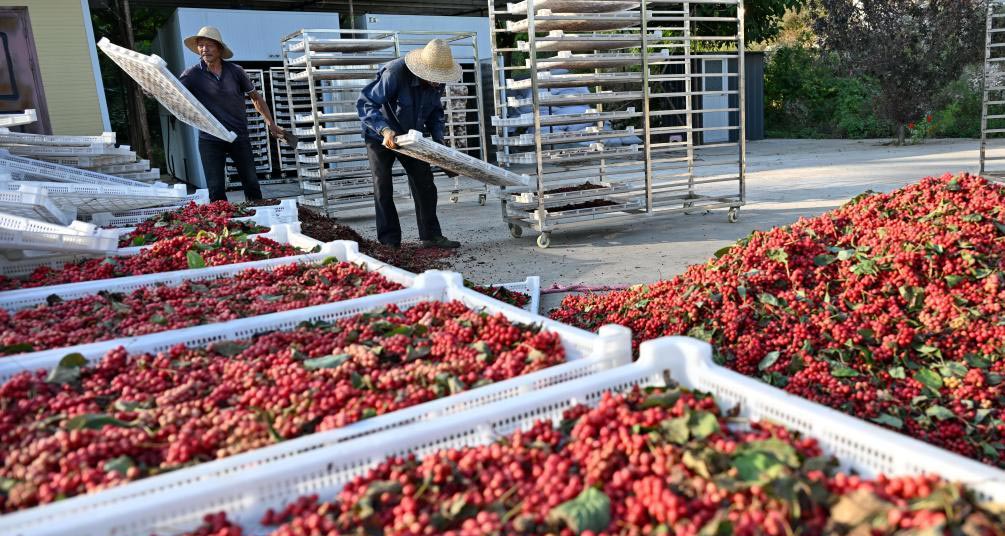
x=221 y=86
x=406 y=96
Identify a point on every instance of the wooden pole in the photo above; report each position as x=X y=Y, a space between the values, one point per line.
x=136 y=111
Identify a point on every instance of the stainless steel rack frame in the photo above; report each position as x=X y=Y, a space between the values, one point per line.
x=680 y=103
x=334 y=65
x=993 y=92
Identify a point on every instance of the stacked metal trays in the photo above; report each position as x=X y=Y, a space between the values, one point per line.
x=258 y=132
x=632 y=64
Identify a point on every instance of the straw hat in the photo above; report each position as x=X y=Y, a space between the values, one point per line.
x=209 y=32
x=434 y=63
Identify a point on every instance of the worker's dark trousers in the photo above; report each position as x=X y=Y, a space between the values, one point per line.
x=214 y=155
x=420 y=182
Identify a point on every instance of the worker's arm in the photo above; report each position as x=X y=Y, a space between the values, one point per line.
x=259 y=101
x=371 y=99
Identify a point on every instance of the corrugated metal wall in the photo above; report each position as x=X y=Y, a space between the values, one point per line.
x=66 y=57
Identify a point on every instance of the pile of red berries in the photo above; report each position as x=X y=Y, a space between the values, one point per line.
x=890 y=308
x=78 y=428
x=190 y=220
x=178 y=253
x=512 y=297
x=658 y=462
x=160 y=308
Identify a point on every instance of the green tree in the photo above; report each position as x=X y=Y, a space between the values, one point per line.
x=911 y=48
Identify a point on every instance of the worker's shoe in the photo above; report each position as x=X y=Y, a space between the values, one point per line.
x=441 y=242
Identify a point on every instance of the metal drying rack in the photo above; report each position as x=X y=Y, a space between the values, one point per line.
x=682 y=96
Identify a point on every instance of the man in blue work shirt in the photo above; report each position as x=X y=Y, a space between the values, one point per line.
x=406 y=96
x=221 y=86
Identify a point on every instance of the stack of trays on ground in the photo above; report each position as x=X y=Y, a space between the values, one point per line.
x=15 y=120
x=94 y=153
x=23 y=237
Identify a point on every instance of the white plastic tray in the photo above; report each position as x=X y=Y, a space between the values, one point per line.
x=12 y=120
x=37 y=151
x=546 y=21
x=33 y=202
x=558 y=40
x=334 y=74
x=596 y=61
x=94 y=198
x=546 y=79
x=23 y=168
x=134 y=217
x=332 y=117
x=151 y=175
x=587 y=354
x=531 y=287
x=152 y=74
x=18 y=233
x=527 y=120
x=572 y=100
x=8 y=138
x=15 y=300
x=246 y=495
x=596 y=151
x=337 y=58
x=414 y=145
x=341 y=45
x=579 y=6
x=285 y=234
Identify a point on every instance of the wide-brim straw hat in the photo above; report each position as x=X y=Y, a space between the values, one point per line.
x=434 y=63
x=209 y=32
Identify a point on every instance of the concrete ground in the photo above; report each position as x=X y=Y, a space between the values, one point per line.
x=786 y=180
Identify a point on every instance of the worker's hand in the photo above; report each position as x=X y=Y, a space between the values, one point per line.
x=277 y=131
x=389 y=136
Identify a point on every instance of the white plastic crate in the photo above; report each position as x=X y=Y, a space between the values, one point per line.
x=531 y=287
x=546 y=80
x=527 y=120
x=343 y=250
x=8 y=138
x=152 y=74
x=19 y=233
x=24 y=118
x=24 y=267
x=134 y=217
x=246 y=495
x=340 y=45
x=33 y=202
x=150 y=175
x=587 y=354
x=23 y=168
x=35 y=151
x=427 y=150
x=557 y=40
x=94 y=198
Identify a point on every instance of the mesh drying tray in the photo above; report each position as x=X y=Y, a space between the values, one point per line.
x=558 y=40
x=94 y=198
x=13 y=120
x=566 y=156
x=328 y=117
x=341 y=45
x=578 y=6
x=416 y=146
x=560 y=138
x=152 y=74
x=23 y=168
x=578 y=22
x=600 y=97
x=586 y=353
x=546 y=79
x=34 y=202
x=9 y=138
x=527 y=120
x=336 y=58
x=596 y=61
x=334 y=74
x=18 y=233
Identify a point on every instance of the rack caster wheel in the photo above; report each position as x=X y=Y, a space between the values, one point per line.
x=481 y=199
x=733 y=215
x=454 y=198
x=544 y=240
x=515 y=231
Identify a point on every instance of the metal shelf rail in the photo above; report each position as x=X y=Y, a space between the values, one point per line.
x=258 y=132
x=618 y=139
x=993 y=106
x=334 y=66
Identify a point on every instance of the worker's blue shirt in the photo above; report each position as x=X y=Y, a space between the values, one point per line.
x=222 y=95
x=399 y=100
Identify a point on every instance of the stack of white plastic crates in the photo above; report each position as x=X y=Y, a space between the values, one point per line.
x=586 y=354
x=258 y=132
x=94 y=153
